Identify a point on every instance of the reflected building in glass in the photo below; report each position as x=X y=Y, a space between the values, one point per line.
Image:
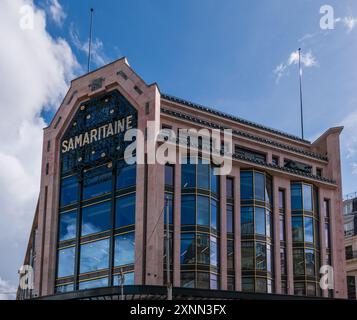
x=267 y=227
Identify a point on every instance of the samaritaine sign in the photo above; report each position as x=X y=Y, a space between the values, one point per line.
x=97 y=134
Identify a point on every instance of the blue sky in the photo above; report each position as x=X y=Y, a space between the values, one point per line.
x=233 y=55
x=224 y=53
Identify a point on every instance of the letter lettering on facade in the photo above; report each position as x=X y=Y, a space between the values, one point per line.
x=64 y=146
x=129 y=123
x=93 y=135
x=121 y=125
x=70 y=144
x=78 y=140
x=86 y=139
x=110 y=130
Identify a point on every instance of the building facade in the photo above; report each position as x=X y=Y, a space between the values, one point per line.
x=266 y=227
x=350 y=215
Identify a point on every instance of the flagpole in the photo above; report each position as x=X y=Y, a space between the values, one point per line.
x=301 y=108
x=90 y=38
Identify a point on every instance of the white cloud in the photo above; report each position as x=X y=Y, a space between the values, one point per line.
x=7 y=291
x=56 y=11
x=307 y=60
x=35 y=70
x=98 y=57
x=349 y=135
x=354 y=168
x=349 y=23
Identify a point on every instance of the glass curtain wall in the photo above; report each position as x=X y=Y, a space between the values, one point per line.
x=305 y=236
x=199 y=255
x=256 y=231
x=96 y=236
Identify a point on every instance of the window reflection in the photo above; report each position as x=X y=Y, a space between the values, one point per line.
x=96 y=218
x=247 y=256
x=297 y=229
x=203 y=250
x=128 y=279
x=98 y=283
x=94 y=256
x=214 y=252
x=188 y=248
x=307 y=196
x=124 y=249
x=296 y=197
x=247 y=220
x=68 y=225
x=169 y=175
x=97 y=182
x=188 y=279
x=309 y=229
x=246 y=182
x=229 y=213
x=214 y=214
x=188 y=209
x=126 y=175
x=260 y=220
x=188 y=172
x=261 y=257
x=259 y=186
x=203 y=175
x=125 y=211
x=69 y=191
x=66 y=262
x=203 y=211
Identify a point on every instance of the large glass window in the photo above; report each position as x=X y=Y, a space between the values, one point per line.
x=97 y=182
x=69 y=191
x=126 y=175
x=66 y=262
x=297 y=229
x=68 y=225
x=298 y=258
x=247 y=220
x=203 y=280
x=296 y=197
x=309 y=229
x=188 y=209
x=261 y=256
x=96 y=218
x=213 y=252
x=169 y=206
x=203 y=249
x=188 y=279
x=310 y=262
x=203 y=213
x=246 y=185
x=188 y=248
x=214 y=214
x=230 y=219
x=229 y=188
x=94 y=256
x=203 y=175
x=259 y=186
x=307 y=194
x=97 y=283
x=169 y=175
x=230 y=254
x=124 y=249
x=260 y=220
x=188 y=179
x=128 y=279
x=247 y=256
x=214 y=181
x=125 y=211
